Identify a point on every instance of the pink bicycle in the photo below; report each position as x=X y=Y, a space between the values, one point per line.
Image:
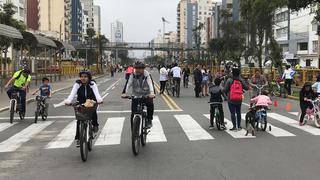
x=314 y=113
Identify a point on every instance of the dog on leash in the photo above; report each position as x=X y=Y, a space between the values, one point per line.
x=250 y=122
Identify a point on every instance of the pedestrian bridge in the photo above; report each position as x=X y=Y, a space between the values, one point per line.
x=137 y=46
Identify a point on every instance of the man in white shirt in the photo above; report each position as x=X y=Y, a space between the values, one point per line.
x=163 y=78
x=176 y=74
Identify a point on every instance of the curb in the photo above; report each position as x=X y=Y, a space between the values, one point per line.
x=30 y=100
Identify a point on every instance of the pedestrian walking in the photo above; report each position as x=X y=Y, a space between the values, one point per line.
x=197 y=75
x=163 y=78
x=288 y=78
x=234 y=89
x=204 y=83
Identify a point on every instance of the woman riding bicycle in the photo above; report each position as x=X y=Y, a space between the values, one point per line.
x=85 y=88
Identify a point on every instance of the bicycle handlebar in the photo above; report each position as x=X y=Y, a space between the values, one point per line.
x=258 y=87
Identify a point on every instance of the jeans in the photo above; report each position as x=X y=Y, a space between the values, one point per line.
x=162 y=86
x=212 y=111
x=94 y=123
x=235 y=111
x=22 y=95
x=176 y=82
x=150 y=108
x=185 y=80
x=287 y=85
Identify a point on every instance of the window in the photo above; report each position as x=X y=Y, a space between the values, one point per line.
x=200 y=12
x=282 y=32
x=283 y=16
x=284 y=47
x=314 y=27
x=308 y=62
x=303 y=46
x=314 y=46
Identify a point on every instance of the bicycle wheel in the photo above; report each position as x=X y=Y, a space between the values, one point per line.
x=13 y=103
x=83 y=141
x=144 y=133
x=317 y=120
x=135 y=137
x=263 y=124
x=90 y=136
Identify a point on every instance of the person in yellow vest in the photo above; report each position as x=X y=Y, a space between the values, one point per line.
x=20 y=80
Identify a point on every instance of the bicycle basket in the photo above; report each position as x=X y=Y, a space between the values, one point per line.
x=84 y=113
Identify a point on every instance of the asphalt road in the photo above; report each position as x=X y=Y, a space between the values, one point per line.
x=180 y=145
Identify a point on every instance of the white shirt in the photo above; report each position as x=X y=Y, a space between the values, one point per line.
x=75 y=88
x=176 y=72
x=163 y=74
x=288 y=74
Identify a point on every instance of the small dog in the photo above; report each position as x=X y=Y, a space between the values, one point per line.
x=250 y=122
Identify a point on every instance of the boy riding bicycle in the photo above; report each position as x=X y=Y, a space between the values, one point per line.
x=45 y=91
x=216 y=102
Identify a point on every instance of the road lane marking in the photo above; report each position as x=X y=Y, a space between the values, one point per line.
x=111 y=132
x=174 y=104
x=112 y=86
x=275 y=131
x=164 y=98
x=156 y=132
x=192 y=129
x=295 y=124
x=104 y=96
x=235 y=134
x=65 y=138
x=294 y=113
x=4 y=126
x=14 y=142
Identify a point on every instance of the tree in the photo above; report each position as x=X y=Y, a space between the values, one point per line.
x=296 y=5
x=217 y=48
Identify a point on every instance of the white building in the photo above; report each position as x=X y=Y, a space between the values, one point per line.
x=296 y=34
x=88 y=17
x=97 y=19
x=117 y=32
x=205 y=14
x=170 y=37
x=20 y=9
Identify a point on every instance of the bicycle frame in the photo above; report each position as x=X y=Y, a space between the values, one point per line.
x=311 y=113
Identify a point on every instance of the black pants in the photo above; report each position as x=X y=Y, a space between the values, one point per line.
x=212 y=109
x=149 y=104
x=185 y=80
x=197 y=89
x=162 y=86
x=22 y=95
x=235 y=111
x=94 y=123
x=304 y=108
x=176 y=82
x=287 y=85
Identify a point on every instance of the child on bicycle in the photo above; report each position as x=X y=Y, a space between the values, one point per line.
x=216 y=94
x=262 y=100
x=306 y=96
x=45 y=91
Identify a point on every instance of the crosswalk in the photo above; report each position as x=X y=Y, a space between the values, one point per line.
x=194 y=128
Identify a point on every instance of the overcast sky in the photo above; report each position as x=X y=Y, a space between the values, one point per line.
x=141 y=18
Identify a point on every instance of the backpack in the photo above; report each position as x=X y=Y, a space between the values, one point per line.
x=236 y=91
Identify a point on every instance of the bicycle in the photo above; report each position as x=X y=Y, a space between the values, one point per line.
x=15 y=105
x=41 y=108
x=176 y=87
x=314 y=113
x=86 y=135
x=259 y=87
x=215 y=116
x=139 y=131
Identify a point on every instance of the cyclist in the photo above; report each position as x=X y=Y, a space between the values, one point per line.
x=186 y=73
x=317 y=85
x=142 y=85
x=176 y=74
x=129 y=71
x=306 y=97
x=85 y=88
x=21 y=81
x=45 y=91
x=262 y=100
x=259 y=80
x=216 y=97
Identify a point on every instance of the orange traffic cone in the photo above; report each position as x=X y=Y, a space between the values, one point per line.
x=288 y=107
x=275 y=103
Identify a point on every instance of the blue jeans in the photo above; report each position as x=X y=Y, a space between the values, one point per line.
x=22 y=95
x=235 y=109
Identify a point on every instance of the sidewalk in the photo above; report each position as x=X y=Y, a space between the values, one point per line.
x=56 y=86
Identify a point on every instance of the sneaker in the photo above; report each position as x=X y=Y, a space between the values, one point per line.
x=233 y=129
x=211 y=127
x=149 y=124
x=223 y=127
x=95 y=129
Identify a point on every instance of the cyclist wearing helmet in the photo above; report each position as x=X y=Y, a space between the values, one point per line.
x=142 y=85
x=21 y=81
x=85 y=88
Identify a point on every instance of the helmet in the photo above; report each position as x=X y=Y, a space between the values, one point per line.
x=87 y=72
x=139 y=64
x=26 y=71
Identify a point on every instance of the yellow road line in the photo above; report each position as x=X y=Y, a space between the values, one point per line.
x=169 y=98
x=164 y=98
